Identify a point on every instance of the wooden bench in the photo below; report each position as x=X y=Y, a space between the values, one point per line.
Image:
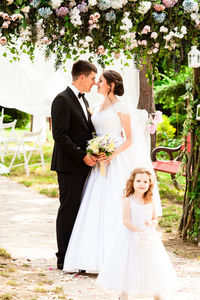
x=173 y=165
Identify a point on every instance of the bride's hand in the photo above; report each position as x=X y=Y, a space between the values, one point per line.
x=104 y=159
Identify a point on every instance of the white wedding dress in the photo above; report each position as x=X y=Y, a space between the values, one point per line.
x=101 y=208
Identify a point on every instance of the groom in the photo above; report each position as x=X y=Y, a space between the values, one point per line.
x=72 y=128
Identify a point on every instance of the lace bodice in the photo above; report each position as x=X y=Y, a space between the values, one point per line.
x=108 y=121
x=141 y=213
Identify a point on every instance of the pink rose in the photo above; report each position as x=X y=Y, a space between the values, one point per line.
x=5 y=16
x=101 y=49
x=117 y=54
x=3 y=40
x=5 y=25
x=159 y=7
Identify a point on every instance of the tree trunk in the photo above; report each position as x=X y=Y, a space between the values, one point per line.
x=190 y=221
x=146 y=99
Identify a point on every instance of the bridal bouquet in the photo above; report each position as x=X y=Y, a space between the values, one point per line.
x=101 y=144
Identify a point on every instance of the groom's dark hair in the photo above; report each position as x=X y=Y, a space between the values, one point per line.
x=82 y=67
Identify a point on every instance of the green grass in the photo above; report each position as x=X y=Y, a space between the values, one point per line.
x=4 y=274
x=6 y=297
x=4 y=253
x=171 y=216
x=12 y=283
x=41 y=290
x=172 y=201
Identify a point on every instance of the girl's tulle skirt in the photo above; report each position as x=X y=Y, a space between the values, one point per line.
x=138 y=264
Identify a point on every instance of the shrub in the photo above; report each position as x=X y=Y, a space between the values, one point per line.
x=10 y=114
x=165 y=130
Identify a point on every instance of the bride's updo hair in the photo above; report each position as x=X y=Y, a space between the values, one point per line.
x=114 y=77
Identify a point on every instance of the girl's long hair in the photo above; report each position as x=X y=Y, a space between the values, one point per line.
x=129 y=190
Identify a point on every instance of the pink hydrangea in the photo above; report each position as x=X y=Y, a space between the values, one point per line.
x=151 y=128
x=169 y=3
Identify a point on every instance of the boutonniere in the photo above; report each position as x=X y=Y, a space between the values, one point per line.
x=90 y=111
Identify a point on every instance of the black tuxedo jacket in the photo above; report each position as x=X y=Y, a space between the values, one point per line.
x=71 y=131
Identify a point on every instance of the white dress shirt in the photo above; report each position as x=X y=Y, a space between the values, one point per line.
x=76 y=92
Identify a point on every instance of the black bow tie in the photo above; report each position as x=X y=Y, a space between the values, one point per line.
x=81 y=95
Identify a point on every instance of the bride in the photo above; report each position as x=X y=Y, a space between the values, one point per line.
x=100 y=211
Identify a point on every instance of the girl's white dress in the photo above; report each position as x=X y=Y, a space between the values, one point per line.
x=138 y=262
x=101 y=206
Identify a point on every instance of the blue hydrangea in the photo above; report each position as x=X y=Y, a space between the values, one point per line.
x=104 y=4
x=35 y=3
x=188 y=5
x=110 y=16
x=45 y=12
x=159 y=17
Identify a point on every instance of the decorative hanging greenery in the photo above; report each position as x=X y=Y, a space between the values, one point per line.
x=149 y=30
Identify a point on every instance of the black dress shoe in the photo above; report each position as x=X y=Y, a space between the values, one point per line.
x=82 y=271
x=59 y=266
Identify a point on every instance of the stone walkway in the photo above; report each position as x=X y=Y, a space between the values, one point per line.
x=27 y=232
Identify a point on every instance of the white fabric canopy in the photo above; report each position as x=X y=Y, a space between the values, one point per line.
x=31 y=87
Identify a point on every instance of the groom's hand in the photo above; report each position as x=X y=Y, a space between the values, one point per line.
x=90 y=160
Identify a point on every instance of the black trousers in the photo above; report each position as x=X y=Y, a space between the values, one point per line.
x=70 y=188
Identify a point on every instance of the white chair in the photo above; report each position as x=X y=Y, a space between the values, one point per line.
x=30 y=141
x=7 y=137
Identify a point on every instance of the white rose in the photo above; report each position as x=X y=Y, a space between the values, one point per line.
x=134 y=44
x=85 y=44
x=173 y=45
x=9 y=2
x=116 y=4
x=183 y=29
x=144 y=7
x=164 y=29
x=88 y=39
x=155 y=50
x=154 y=35
x=25 y=9
x=144 y=42
x=62 y=31
x=167 y=37
x=197 y=22
x=194 y=16
x=92 y=2
x=196 y=7
x=56 y=3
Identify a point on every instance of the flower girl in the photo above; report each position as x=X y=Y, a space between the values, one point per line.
x=137 y=261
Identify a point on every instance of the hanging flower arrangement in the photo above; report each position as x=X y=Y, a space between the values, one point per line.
x=103 y=28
